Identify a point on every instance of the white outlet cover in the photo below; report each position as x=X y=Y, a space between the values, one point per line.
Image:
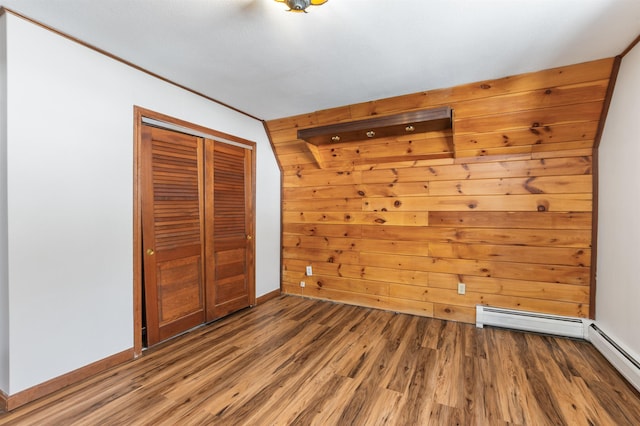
x=462 y=288
x=309 y=271
x=302 y=284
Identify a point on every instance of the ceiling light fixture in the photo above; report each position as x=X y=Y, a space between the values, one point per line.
x=301 y=5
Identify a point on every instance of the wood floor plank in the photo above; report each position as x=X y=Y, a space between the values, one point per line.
x=417 y=401
x=449 y=367
x=359 y=404
x=288 y=377
x=514 y=396
x=485 y=393
x=573 y=411
x=297 y=361
x=398 y=377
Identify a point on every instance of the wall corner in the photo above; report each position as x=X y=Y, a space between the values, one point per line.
x=4 y=240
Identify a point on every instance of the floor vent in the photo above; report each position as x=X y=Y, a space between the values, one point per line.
x=628 y=366
x=530 y=321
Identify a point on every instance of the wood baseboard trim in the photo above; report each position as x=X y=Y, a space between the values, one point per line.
x=57 y=383
x=266 y=297
x=3 y=401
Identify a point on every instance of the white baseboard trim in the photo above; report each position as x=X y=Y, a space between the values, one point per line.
x=627 y=365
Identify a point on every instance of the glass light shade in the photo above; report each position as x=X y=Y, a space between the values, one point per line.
x=301 y=5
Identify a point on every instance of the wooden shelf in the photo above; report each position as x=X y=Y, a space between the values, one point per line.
x=422 y=121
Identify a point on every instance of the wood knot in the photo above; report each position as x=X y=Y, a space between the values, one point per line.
x=397 y=203
x=543 y=205
x=485 y=86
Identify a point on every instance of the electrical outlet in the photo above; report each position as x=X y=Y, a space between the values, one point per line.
x=462 y=288
x=302 y=284
x=309 y=271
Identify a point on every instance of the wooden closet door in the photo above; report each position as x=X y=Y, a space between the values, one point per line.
x=230 y=240
x=172 y=232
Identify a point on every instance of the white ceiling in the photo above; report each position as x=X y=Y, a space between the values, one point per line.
x=256 y=57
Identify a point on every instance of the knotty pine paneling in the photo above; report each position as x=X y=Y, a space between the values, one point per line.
x=396 y=223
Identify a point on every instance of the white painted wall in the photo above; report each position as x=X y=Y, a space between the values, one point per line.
x=4 y=252
x=618 y=291
x=70 y=199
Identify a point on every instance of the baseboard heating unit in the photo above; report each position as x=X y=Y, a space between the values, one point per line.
x=530 y=321
x=628 y=366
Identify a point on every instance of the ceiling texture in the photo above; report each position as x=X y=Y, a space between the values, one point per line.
x=269 y=63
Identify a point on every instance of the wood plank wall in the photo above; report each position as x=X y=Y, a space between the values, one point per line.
x=397 y=223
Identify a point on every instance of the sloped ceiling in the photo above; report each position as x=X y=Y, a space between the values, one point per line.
x=269 y=63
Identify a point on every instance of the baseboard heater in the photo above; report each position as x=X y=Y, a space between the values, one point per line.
x=627 y=365
x=530 y=321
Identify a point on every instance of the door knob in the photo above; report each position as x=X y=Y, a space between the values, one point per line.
x=249 y=237
x=150 y=252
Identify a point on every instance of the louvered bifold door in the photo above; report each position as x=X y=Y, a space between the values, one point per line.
x=229 y=238
x=173 y=234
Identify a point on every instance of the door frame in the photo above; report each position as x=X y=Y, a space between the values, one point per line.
x=139 y=114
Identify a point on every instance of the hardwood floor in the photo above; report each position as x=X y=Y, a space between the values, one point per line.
x=301 y=361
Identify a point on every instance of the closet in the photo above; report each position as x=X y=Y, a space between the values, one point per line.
x=197 y=218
